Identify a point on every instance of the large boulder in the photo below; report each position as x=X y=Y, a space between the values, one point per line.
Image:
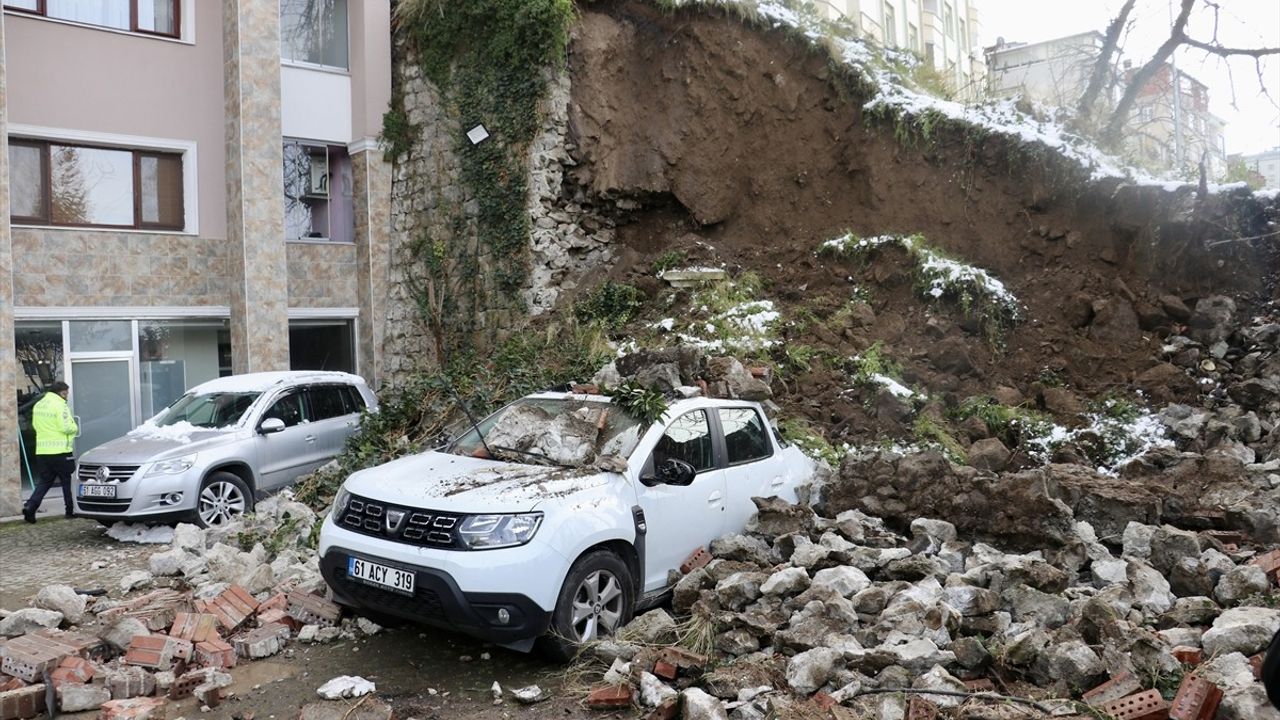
x=810 y=670
x=28 y=620
x=1245 y=630
x=63 y=599
x=1213 y=319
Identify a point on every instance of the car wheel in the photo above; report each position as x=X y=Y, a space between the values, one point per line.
x=596 y=600
x=222 y=497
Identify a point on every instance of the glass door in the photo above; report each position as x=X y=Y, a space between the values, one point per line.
x=102 y=398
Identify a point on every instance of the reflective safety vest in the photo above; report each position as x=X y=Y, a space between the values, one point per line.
x=55 y=428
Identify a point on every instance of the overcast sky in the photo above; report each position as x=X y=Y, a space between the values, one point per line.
x=1252 y=125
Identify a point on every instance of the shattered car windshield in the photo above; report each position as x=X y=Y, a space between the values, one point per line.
x=213 y=410
x=553 y=431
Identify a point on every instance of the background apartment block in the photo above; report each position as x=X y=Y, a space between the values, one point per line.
x=1053 y=72
x=944 y=33
x=1266 y=164
x=187 y=189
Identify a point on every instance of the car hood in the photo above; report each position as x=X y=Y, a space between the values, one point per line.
x=139 y=447
x=441 y=481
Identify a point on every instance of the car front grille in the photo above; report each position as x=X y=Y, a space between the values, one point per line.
x=89 y=473
x=414 y=526
x=103 y=505
x=424 y=603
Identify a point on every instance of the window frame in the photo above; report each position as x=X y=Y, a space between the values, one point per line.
x=42 y=11
x=45 y=146
x=724 y=436
x=290 y=61
x=716 y=437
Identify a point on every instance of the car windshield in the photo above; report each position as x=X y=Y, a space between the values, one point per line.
x=212 y=410
x=553 y=431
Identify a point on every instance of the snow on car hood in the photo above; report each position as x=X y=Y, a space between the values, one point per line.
x=148 y=443
x=441 y=481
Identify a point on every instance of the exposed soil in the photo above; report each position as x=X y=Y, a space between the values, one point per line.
x=746 y=149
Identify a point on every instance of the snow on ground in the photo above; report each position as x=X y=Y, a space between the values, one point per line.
x=1121 y=441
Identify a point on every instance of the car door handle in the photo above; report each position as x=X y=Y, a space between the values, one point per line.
x=777 y=482
x=714 y=498
x=311 y=438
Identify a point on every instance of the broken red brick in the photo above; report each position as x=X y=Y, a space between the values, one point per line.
x=262 y=642
x=1188 y=655
x=279 y=601
x=980 y=685
x=684 y=659
x=1146 y=705
x=215 y=653
x=139 y=708
x=11 y=683
x=1269 y=562
x=30 y=656
x=823 y=700
x=668 y=710
x=698 y=558
x=127 y=682
x=665 y=670
x=72 y=670
x=1197 y=699
x=185 y=685
x=277 y=616
x=232 y=607
x=1256 y=663
x=1120 y=686
x=157 y=652
x=310 y=609
x=920 y=709
x=194 y=627
x=610 y=696
x=24 y=702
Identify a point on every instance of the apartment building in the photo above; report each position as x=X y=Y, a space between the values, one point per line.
x=187 y=190
x=1053 y=72
x=1267 y=165
x=1171 y=127
x=944 y=33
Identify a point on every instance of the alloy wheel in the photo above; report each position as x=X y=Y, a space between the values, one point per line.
x=597 y=606
x=220 y=502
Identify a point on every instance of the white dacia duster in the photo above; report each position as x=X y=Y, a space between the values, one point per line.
x=556 y=517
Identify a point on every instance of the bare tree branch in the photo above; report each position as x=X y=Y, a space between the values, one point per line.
x=1177 y=34
x=1085 y=108
x=1221 y=51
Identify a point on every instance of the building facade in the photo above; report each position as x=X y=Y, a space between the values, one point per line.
x=943 y=33
x=187 y=190
x=1266 y=164
x=1171 y=127
x=1054 y=72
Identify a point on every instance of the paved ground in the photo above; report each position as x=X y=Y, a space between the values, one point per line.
x=407 y=664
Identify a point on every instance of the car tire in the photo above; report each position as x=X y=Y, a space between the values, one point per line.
x=222 y=497
x=597 y=599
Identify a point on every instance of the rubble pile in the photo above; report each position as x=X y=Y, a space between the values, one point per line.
x=831 y=612
x=686 y=370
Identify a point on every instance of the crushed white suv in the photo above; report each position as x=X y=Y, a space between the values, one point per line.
x=203 y=458
x=557 y=517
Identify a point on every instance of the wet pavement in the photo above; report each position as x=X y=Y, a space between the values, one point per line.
x=422 y=672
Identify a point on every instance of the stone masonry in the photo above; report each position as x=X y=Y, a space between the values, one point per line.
x=9 y=491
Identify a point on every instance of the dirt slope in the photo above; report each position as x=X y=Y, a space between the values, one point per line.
x=746 y=149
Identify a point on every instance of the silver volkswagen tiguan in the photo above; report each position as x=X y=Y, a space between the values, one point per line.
x=205 y=457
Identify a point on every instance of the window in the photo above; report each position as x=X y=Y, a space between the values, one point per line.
x=948 y=21
x=329 y=401
x=913 y=38
x=321 y=345
x=317 y=192
x=746 y=437
x=687 y=439
x=155 y=17
x=314 y=32
x=288 y=409
x=80 y=185
x=964 y=38
x=890 y=27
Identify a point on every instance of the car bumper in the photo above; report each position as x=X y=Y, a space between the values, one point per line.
x=455 y=590
x=155 y=498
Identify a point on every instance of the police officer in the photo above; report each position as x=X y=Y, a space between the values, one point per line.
x=55 y=433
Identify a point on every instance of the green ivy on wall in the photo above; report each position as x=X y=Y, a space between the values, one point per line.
x=489 y=60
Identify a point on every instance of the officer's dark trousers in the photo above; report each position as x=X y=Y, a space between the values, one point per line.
x=51 y=470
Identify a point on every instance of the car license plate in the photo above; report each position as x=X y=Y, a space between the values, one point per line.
x=400 y=581
x=102 y=491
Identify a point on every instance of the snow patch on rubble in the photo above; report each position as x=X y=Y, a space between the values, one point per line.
x=744 y=327
x=893 y=386
x=1122 y=440
x=147 y=535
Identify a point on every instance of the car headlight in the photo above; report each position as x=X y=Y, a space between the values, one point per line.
x=340 y=503
x=173 y=467
x=486 y=532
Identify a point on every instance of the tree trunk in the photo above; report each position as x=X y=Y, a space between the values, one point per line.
x=1101 y=68
x=1177 y=34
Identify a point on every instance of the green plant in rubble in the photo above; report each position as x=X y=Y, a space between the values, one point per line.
x=610 y=305
x=667 y=261
x=803 y=436
x=1012 y=425
x=1050 y=378
x=798 y=358
x=721 y=297
x=1116 y=407
x=930 y=433
x=643 y=403
x=872 y=362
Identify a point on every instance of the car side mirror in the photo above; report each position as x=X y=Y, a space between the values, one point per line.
x=671 y=472
x=271 y=426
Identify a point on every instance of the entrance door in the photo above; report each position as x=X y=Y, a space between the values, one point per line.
x=102 y=399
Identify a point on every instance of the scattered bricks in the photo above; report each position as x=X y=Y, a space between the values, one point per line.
x=311 y=609
x=231 y=608
x=156 y=601
x=920 y=709
x=128 y=682
x=72 y=670
x=1188 y=655
x=30 y=656
x=669 y=709
x=140 y=708
x=1269 y=562
x=698 y=558
x=262 y=642
x=195 y=627
x=1197 y=699
x=980 y=685
x=277 y=616
x=75 y=643
x=279 y=601
x=22 y=703
x=1120 y=686
x=209 y=694
x=76 y=697
x=164 y=681
x=683 y=659
x=1146 y=705
x=185 y=686
x=608 y=697
x=665 y=670
x=215 y=653
x=8 y=683
x=823 y=700
x=157 y=652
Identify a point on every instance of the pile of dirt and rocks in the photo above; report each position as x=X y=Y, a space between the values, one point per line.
x=817 y=615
